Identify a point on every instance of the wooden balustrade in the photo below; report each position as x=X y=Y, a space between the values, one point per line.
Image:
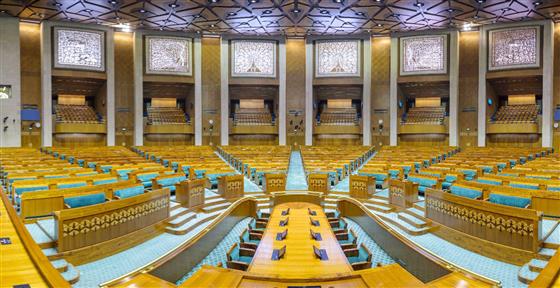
x=81 y=227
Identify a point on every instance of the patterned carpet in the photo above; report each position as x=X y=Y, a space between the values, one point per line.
x=378 y=254
x=219 y=253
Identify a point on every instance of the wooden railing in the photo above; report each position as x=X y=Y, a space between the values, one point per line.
x=90 y=225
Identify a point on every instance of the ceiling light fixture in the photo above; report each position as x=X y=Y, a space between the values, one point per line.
x=253 y=1
x=379 y=25
x=324 y=12
x=467 y=26
x=231 y=14
x=142 y=10
x=88 y=10
x=537 y=3
x=267 y=12
x=114 y=2
x=419 y=4
x=296 y=10
x=450 y=10
x=337 y=1
x=197 y=16
x=360 y=13
x=173 y=5
x=480 y=1
x=212 y=25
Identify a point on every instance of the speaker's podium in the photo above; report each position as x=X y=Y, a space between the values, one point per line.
x=318 y=182
x=274 y=182
x=190 y=193
x=362 y=187
x=403 y=193
x=231 y=186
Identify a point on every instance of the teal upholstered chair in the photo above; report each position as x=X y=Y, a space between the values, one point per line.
x=489 y=181
x=359 y=258
x=71 y=185
x=105 y=181
x=85 y=200
x=250 y=239
x=532 y=186
x=508 y=200
x=239 y=258
x=349 y=241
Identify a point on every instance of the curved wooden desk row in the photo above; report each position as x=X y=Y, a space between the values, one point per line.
x=22 y=261
x=508 y=234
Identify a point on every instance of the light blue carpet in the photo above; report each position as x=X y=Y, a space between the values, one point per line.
x=378 y=255
x=504 y=272
x=218 y=254
x=94 y=273
x=296 y=179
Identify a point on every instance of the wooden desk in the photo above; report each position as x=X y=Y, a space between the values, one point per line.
x=299 y=262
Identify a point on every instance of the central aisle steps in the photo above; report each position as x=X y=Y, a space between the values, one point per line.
x=296 y=178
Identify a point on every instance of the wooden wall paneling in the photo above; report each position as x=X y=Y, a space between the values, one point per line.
x=295 y=91
x=556 y=83
x=124 y=88
x=468 y=88
x=30 y=39
x=380 y=76
x=210 y=89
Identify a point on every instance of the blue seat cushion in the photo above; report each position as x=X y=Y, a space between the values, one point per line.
x=489 y=181
x=525 y=185
x=86 y=200
x=129 y=192
x=513 y=201
x=20 y=190
x=71 y=185
x=56 y=176
x=465 y=192
x=165 y=182
x=553 y=188
x=105 y=181
x=147 y=176
x=423 y=181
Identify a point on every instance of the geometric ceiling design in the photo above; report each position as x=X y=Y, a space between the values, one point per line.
x=285 y=17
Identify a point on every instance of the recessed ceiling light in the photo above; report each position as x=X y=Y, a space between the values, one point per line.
x=419 y=4
x=212 y=25
x=57 y=4
x=2 y=11
x=231 y=14
x=213 y=1
x=243 y=23
x=379 y=25
x=537 y=3
x=117 y=18
x=196 y=16
x=173 y=5
x=377 y=0
x=253 y=1
x=142 y=10
x=324 y=12
x=88 y=10
x=112 y=2
x=450 y=10
x=480 y=1
x=267 y=12
x=197 y=31
x=476 y=17
x=360 y=13
x=337 y=1
x=296 y=10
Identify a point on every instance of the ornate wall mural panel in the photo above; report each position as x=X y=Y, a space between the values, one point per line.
x=79 y=49
x=423 y=55
x=250 y=58
x=514 y=48
x=337 y=58
x=168 y=55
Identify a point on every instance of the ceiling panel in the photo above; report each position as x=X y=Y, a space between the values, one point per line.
x=289 y=17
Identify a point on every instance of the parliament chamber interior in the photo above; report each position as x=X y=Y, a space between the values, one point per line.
x=280 y=144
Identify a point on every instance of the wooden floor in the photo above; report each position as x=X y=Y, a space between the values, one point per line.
x=299 y=262
x=16 y=266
